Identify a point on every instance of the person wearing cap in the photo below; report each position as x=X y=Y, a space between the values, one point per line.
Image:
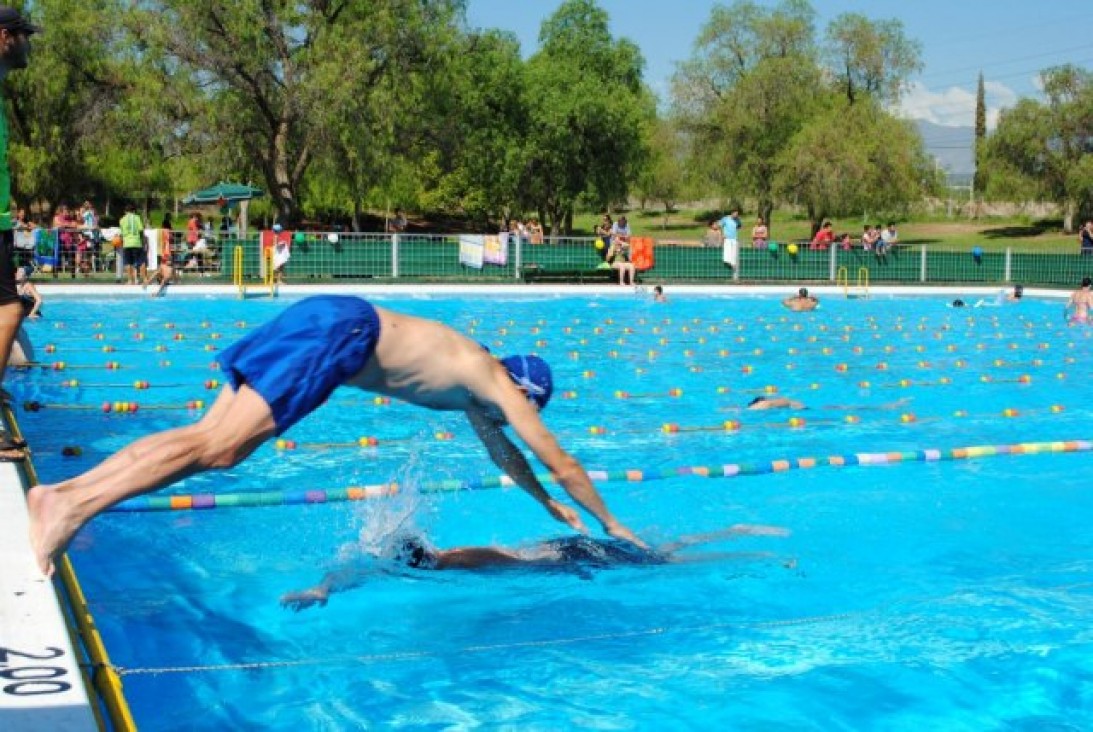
x=15 y=33
x=288 y=367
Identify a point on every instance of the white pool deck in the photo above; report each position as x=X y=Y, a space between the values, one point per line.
x=41 y=687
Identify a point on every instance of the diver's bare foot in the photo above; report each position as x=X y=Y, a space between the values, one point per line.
x=50 y=528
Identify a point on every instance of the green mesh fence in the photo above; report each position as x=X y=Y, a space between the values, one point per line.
x=436 y=257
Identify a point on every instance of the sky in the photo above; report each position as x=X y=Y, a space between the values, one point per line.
x=1010 y=41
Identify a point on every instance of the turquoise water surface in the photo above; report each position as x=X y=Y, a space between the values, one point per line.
x=939 y=590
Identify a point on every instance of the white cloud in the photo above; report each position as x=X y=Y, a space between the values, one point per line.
x=955 y=106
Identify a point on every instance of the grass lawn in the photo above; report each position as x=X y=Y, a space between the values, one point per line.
x=990 y=233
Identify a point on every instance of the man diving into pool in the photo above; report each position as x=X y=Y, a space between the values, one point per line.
x=570 y=552
x=288 y=367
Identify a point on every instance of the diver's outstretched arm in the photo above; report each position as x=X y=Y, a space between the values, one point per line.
x=732 y=532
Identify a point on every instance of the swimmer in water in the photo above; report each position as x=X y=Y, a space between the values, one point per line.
x=570 y=552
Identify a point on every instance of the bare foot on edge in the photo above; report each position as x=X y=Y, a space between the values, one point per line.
x=50 y=530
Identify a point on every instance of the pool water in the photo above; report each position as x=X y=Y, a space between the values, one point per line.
x=924 y=593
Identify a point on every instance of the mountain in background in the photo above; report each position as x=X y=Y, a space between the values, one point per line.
x=952 y=147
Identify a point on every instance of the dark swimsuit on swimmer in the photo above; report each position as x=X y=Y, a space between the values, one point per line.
x=603 y=553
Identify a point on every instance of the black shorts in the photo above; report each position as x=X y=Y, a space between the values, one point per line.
x=8 y=292
x=132 y=256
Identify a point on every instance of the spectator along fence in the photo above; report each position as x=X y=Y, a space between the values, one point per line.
x=328 y=256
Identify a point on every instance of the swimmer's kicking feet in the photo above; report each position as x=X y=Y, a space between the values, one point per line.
x=578 y=552
x=287 y=368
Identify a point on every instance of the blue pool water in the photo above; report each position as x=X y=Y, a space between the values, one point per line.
x=954 y=594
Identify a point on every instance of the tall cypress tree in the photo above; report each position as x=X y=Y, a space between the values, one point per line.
x=979 y=181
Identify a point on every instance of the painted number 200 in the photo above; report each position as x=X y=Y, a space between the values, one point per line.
x=32 y=680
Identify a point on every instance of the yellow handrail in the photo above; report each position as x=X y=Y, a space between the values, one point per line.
x=237 y=271
x=863 y=280
x=842 y=278
x=271 y=279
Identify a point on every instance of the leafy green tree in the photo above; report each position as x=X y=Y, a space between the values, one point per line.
x=852 y=158
x=479 y=121
x=279 y=75
x=57 y=104
x=662 y=178
x=872 y=57
x=586 y=106
x=1046 y=148
x=750 y=86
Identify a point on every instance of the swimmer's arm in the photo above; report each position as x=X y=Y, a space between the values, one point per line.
x=338 y=580
x=731 y=532
x=476 y=557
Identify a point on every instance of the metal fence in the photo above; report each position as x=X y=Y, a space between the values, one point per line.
x=328 y=256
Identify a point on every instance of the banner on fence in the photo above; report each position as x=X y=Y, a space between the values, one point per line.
x=497 y=249
x=471 y=250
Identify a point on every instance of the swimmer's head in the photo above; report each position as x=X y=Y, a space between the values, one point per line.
x=1086 y=282
x=412 y=552
x=958 y=303
x=803 y=292
x=757 y=400
x=1018 y=290
x=532 y=374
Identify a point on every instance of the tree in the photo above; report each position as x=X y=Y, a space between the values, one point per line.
x=585 y=111
x=477 y=147
x=979 y=181
x=852 y=158
x=662 y=177
x=1046 y=148
x=277 y=74
x=750 y=86
x=56 y=106
x=874 y=56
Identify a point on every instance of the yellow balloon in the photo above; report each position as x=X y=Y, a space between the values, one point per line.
x=792 y=249
x=600 y=244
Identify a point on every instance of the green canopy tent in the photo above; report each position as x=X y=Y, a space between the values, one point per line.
x=224 y=193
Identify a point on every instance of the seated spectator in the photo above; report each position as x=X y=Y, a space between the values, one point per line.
x=889 y=237
x=398 y=223
x=759 y=234
x=535 y=231
x=620 y=234
x=868 y=239
x=824 y=238
x=801 y=302
x=712 y=237
x=846 y=242
x=604 y=229
x=880 y=248
x=619 y=260
x=23 y=222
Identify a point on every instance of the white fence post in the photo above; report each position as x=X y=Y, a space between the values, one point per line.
x=1008 y=276
x=394 y=256
x=922 y=267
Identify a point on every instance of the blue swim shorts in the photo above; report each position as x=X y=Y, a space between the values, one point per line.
x=296 y=360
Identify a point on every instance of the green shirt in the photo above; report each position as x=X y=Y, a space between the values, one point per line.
x=131 y=228
x=5 y=174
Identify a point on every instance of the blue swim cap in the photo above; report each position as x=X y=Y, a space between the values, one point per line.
x=533 y=374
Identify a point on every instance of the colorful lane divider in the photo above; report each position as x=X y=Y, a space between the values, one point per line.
x=204 y=501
